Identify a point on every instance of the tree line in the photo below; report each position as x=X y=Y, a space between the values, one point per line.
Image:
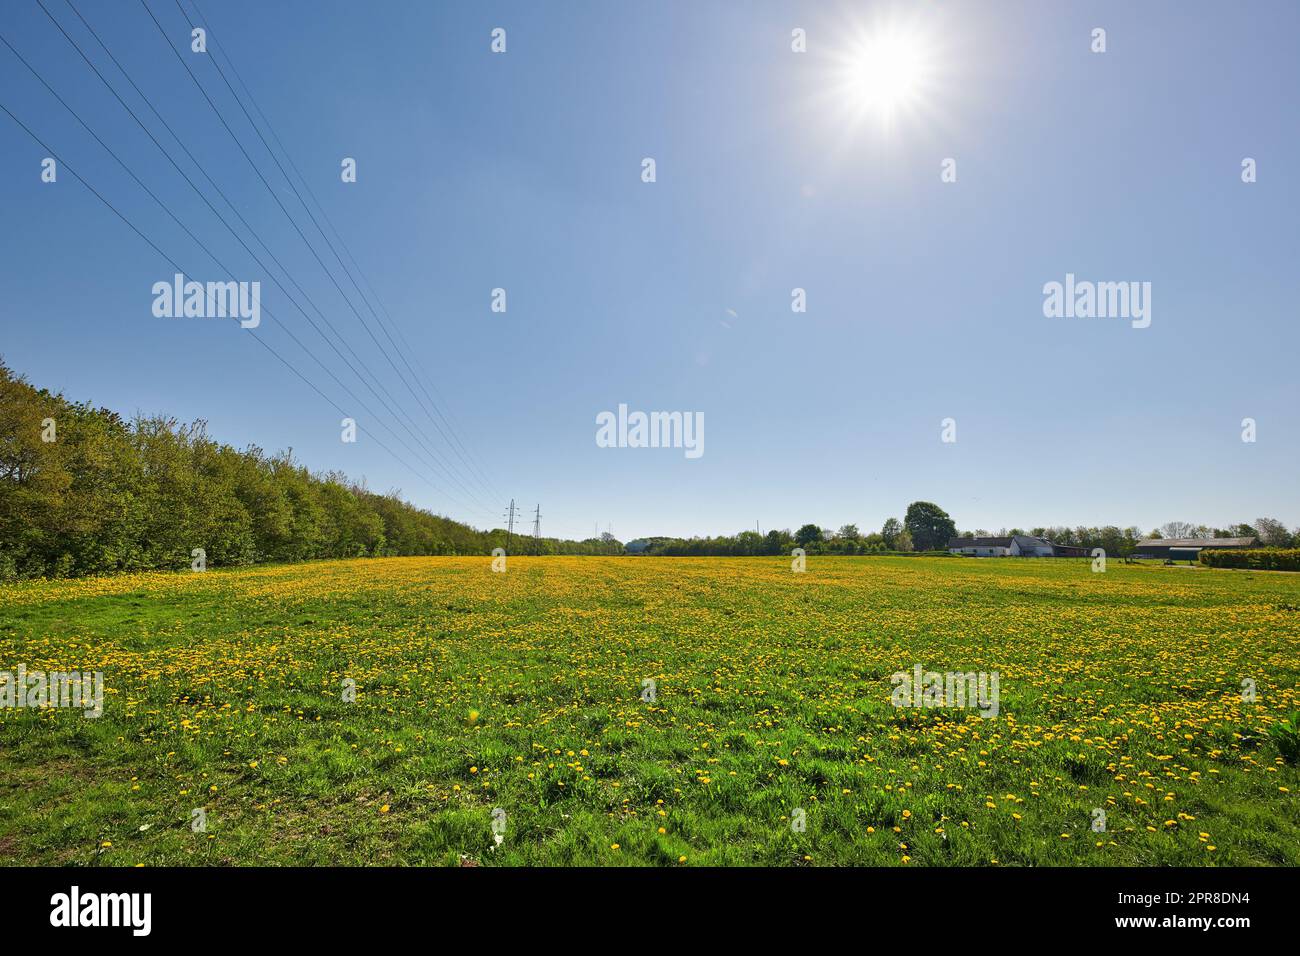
x=85 y=491
x=926 y=528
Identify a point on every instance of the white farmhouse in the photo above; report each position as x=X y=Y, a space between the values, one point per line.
x=1015 y=546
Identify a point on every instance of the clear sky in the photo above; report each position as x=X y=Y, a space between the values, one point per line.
x=774 y=170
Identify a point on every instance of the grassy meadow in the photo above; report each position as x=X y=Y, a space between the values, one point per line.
x=522 y=691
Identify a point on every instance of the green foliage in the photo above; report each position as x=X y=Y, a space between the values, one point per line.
x=1286 y=734
x=1255 y=559
x=224 y=691
x=929 y=526
x=107 y=494
x=809 y=534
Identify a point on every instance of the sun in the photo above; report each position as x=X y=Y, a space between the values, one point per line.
x=888 y=71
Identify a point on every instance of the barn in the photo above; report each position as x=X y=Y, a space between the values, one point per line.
x=1187 y=549
x=1015 y=546
x=981 y=547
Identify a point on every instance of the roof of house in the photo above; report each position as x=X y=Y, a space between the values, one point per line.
x=979 y=542
x=1197 y=543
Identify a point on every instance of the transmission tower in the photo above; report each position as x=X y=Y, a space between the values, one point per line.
x=510 y=523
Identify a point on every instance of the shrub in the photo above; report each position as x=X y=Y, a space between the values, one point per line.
x=1255 y=559
x=1286 y=734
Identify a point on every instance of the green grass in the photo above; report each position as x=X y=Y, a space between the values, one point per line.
x=1120 y=691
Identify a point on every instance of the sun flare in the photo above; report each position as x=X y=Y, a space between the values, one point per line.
x=887 y=72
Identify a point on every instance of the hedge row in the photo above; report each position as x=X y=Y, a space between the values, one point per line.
x=1261 y=559
x=85 y=491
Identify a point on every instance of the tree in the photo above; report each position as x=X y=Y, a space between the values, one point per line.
x=890 y=531
x=849 y=532
x=929 y=525
x=1111 y=540
x=1272 y=534
x=1236 y=531
x=807 y=535
x=903 y=541
x=1177 y=529
x=776 y=542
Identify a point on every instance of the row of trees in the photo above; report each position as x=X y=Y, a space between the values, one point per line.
x=1271 y=532
x=84 y=491
x=925 y=527
x=1123 y=541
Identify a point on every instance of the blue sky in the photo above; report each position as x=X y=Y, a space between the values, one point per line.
x=522 y=170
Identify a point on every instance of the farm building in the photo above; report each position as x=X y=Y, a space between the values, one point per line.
x=1070 y=551
x=981 y=547
x=1015 y=546
x=1187 y=549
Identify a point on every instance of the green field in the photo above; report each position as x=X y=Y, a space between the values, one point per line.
x=1120 y=692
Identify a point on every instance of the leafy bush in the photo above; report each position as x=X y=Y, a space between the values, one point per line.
x=1286 y=734
x=112 y=494
x=1255 y=559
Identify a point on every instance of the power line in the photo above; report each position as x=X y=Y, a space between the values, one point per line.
x=537 y=522
x=221 y=118
x=510 y=525
x=450 y=436
x=63 y=164
x=434 y=462
x=202 y=245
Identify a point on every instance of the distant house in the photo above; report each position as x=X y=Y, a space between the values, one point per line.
x=1187 y=549
x=1027 y=546
x=981 y=547
x=1070 y=551
x=1015 y=546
